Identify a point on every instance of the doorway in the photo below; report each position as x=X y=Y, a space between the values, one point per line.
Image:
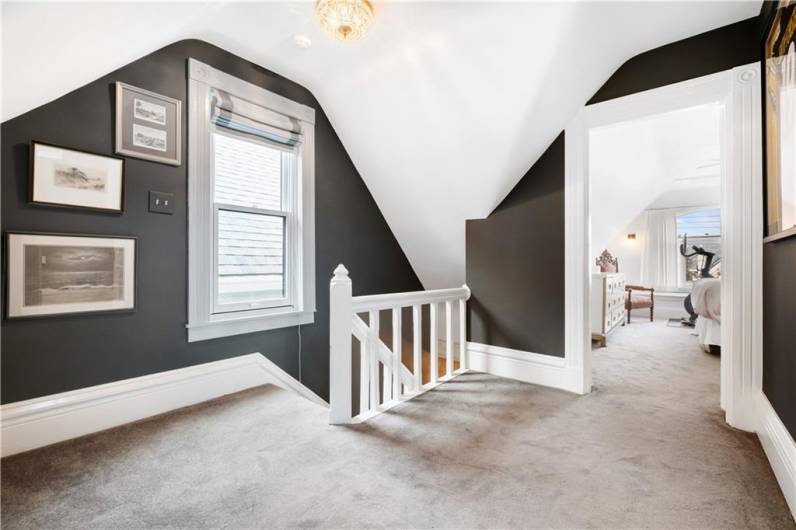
x=736 y=96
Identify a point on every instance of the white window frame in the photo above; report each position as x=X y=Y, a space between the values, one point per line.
x=206 y=319
x=288 y=179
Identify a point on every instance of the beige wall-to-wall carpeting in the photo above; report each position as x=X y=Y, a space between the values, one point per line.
x=647 y=449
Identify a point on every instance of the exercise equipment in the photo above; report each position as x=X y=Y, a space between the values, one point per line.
x=703 y=273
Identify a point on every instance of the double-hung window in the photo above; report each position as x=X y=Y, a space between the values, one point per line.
x=251 y=247
x=700 y=227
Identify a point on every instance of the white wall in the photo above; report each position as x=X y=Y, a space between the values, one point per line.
x=664 y=161
x=629 y=251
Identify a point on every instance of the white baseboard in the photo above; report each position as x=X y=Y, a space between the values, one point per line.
x=780 y=449
x=37 y=422
x=545 y=370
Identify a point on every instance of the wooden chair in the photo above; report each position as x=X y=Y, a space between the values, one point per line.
x=639 y=302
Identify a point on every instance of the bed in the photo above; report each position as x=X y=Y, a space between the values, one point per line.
x=706 y=299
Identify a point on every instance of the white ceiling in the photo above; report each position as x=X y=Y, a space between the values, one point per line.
x=443 y=106
x=664 y=161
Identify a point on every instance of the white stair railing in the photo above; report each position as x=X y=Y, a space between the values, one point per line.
x=384 y=380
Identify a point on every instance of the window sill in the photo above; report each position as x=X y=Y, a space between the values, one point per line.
x=238 y=326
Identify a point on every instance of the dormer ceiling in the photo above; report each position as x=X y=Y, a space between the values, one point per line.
x=442 y=106
x=661 y=161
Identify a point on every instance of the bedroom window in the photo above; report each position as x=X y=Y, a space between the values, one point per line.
x=703 y=229
x=251 y=181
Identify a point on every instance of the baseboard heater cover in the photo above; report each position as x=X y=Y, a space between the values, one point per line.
x=46 y=420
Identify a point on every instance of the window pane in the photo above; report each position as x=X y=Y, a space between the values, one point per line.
x=705 y=222
x=247 y=172
x=251 y=257
x=703 y=228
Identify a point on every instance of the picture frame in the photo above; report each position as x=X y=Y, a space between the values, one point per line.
x=779 y=108
x=148 y=125
x=73 y=178
x=54 y=274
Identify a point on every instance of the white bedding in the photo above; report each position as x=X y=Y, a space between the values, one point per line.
x=706 y=299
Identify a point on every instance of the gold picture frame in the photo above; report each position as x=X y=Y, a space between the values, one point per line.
x=779 y=56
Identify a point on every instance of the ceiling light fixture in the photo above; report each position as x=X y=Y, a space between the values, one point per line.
x=345 y=19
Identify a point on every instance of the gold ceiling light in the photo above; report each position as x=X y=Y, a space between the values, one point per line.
x=345 y=19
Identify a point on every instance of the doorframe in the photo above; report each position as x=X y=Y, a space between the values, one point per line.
x=738 y=92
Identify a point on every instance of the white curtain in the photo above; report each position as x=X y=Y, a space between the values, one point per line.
x=659 y=259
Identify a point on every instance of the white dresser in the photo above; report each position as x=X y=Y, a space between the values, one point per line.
x=607 y=304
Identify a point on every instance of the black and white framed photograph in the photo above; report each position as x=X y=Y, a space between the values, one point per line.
x=55 y=274
x=148 y=125
x=65 y=177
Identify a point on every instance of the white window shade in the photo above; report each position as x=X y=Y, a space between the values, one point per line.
x=233 y=121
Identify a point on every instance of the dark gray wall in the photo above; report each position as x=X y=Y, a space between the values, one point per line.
x=57 y=354
x=779 y=304
x=515 y=263
x=703 y=54
x=779 y=329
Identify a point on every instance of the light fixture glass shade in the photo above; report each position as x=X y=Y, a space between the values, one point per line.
x=345 y=19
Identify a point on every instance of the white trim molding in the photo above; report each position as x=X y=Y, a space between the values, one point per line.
x=738 y=93
x=205 y=319
x=46 y=420
x=545 y=370
x=780 y=449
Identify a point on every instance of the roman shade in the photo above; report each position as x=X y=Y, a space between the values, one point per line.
x=238 y=115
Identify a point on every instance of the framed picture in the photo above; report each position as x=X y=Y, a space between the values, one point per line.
x=72 y=178
x=56 y=274
x=148 y=125
x=780 y=122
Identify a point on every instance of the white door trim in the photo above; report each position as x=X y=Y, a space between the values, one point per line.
x=738 y=91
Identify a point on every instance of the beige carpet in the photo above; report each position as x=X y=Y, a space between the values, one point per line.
x=647 y=449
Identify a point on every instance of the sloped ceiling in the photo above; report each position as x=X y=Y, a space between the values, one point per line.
x=663 y=161
x=442 y=107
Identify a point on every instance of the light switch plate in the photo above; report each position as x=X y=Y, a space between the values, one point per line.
x=160 y=202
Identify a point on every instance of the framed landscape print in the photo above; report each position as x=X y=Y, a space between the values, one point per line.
x=78 y=179
x=148 y=125
x=56 y=274
x=780 y=122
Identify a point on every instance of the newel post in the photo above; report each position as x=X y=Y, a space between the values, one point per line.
x=340 y=347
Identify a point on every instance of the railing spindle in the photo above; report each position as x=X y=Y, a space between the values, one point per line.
x=418 y=353
x=373 y=358
x=448 y=338
x=364 y=376
x=434 y=367
x=386 y=382
x=462 y=335
x=397 y=350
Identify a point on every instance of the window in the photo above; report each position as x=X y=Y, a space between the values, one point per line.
x=251 y=176
x=703 y=229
